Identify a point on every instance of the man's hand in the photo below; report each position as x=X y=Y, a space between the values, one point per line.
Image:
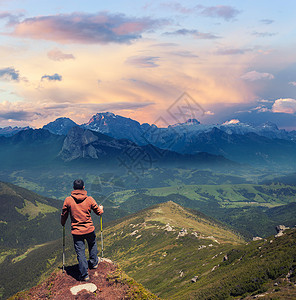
x=101 y=207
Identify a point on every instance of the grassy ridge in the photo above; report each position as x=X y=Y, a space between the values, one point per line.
x=149 y=250
x=166 y=264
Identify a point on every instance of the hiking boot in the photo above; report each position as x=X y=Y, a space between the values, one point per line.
x=95 y=266
x=86 y=278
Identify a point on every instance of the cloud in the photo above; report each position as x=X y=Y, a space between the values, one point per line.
x=58 y=55
x=287 y=106
x=9 y=74
x=23 y=113
x=209 y=113
x=266 y=21
x=292 y=83
x=12 y=18
x=263 y=34
x=233 y=121
x=143 y=61
x=95 y=107
x=254 y=75
x=99 y=28
x=177 y=7
x=184 y=54
x=54 y=77
x=219 y=11
x=233 y=51
x=18 y=115
x=164 y=45
x=260 y=108
x=195 y=33
x=265 y=101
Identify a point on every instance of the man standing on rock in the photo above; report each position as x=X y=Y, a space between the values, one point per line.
x=79 y=205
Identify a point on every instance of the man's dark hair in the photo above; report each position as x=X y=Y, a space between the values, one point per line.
x=78 y=184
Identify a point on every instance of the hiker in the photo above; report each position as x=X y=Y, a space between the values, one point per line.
x=79 y=205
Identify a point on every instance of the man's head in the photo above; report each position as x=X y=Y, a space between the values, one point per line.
x=78 y=184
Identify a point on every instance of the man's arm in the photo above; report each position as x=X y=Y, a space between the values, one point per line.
x=65 y=213
x=98 y=209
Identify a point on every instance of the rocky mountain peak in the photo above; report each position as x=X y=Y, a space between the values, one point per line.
x=77 y=144
x=270 y=126
x=99 y=117
x=189 y=122
x=192 y=122
x=60 y=126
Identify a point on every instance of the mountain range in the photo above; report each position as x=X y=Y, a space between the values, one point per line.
x=9 y=131
x=121 y=127
x=263 y=145
x=39 y=148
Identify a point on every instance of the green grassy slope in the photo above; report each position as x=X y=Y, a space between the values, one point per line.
x=166 y=264
x=55 y=181
x=251 y=209
x=227 y=195
x=152 y=254
x=23 y=213
x=266 y=266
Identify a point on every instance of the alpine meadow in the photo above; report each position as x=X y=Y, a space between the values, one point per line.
x=166 y=128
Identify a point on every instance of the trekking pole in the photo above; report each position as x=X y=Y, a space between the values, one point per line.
x=101 y=221
x=63 y=248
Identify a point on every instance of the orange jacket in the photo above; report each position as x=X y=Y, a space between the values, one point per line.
x=79 y=205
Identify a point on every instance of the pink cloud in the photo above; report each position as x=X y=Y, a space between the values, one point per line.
x=254 y=75
x=143 y=61
x=209 y=113
x=101 y=28
x=233 y=121
x=58 y=55
x=287 y=105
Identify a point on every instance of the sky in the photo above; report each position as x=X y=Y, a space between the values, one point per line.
x=153 y=61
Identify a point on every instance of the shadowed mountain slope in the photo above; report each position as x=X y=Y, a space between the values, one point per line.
x=22 y=215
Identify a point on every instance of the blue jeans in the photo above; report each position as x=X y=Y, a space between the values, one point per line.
x=80 y=251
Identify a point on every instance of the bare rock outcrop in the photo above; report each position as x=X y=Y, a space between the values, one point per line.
x=280 y=230
x=182 y=233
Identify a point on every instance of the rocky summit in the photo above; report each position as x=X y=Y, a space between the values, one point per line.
x=60 y=126
x=106 y=282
